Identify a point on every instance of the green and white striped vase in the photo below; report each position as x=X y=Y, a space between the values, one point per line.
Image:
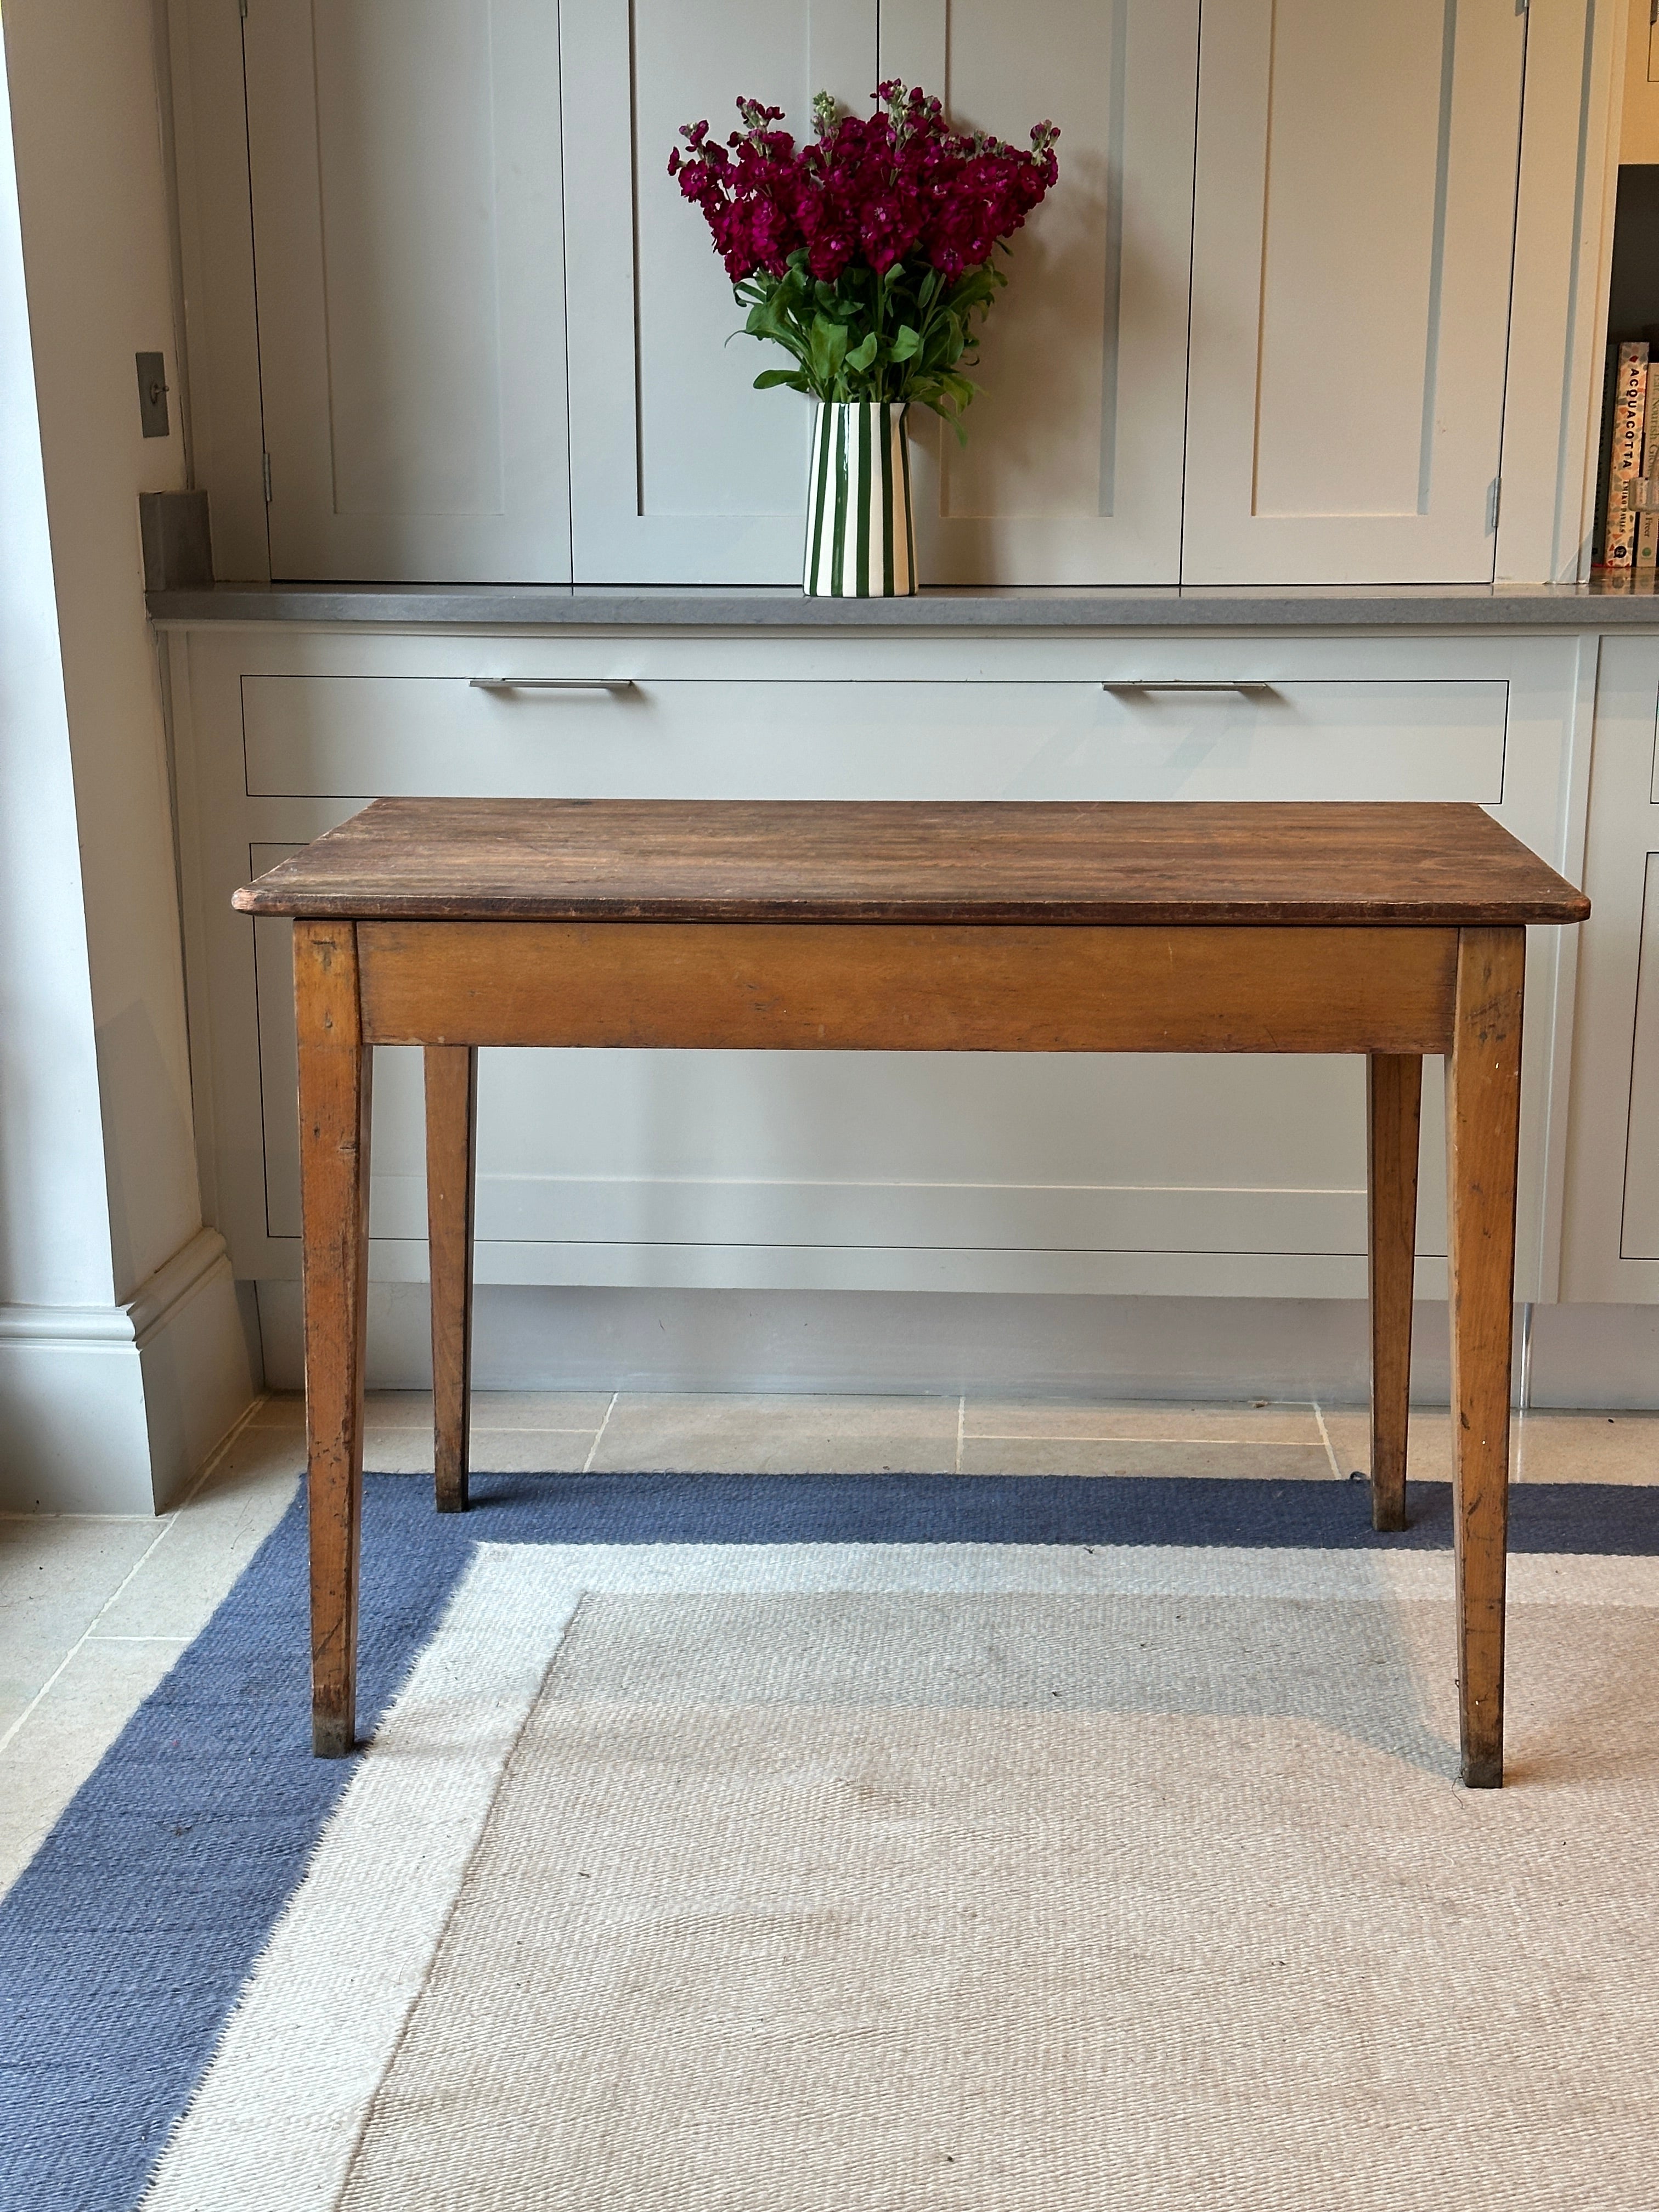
x=861 y=533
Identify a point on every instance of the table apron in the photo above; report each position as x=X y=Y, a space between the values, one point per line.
x=896 y=987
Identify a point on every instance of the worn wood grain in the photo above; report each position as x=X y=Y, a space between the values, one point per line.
x=1393 y=1098
x=334 y=1124
x=733 y=861
x=851 y=986
x=451 y=1114
x=1483 y=1121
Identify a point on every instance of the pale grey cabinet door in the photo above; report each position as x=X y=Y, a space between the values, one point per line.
x=1352 y=233
x=681 y=472
x=1639 y=1237
x=1071 y=469
x=1612 y=1214
x=407 y=212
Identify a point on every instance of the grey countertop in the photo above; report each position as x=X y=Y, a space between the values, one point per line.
x=728 y=607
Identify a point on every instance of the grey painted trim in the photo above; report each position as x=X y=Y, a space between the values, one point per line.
x=870 y=1343
x=177 y=541
x=561 y=606
x=128 y=1326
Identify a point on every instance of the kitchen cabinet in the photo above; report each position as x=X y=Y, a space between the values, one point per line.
x=1265 y=329
x=874 y=1171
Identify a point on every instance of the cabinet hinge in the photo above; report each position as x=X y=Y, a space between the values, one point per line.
x=1491 y=504
x=265 y=459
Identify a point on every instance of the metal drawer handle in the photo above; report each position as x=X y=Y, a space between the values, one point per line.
x=552 y=684
x=1184 y=684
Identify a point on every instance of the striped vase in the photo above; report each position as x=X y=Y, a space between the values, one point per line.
x=860 y=534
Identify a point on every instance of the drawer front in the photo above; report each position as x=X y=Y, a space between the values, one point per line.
x=431 y=736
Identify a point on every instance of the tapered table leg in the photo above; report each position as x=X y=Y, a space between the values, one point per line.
x=452 y=1103
x=1483 y=1116
x=334 y=1109
x=1393 y=1098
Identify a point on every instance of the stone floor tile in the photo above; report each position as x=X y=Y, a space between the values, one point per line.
x=540 y=1409
x=1253 y=1422
x=495 y=1451
x=102 y=1686
x=1293 y=1463
x=1428 y=1442
x=779 y=1436
x=279 y=1409
x=397 y=1451
x=397 y=1409
x=210 y=1540
x=1589 y=1447
x=57 y=1571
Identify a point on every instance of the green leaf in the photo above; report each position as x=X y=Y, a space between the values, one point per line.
x=907 y=344
x=862 y=355
x=769 y=378
x=828 y=347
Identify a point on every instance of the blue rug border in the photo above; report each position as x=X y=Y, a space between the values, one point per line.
x=1244 y=1512
x=114 y=1988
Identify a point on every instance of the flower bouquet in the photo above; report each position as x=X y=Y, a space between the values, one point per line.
x=867 y=256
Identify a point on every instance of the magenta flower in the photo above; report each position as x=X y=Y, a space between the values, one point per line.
x=866 y=252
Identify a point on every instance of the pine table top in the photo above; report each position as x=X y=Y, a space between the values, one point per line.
x=1175 y=863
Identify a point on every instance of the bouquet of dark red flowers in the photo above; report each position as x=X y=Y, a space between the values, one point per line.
x=867 y=254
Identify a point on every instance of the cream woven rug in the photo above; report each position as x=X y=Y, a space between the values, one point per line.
x=844 y=1879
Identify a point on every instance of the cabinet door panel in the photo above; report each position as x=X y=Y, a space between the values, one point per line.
x=407 y=214
x=1071 y=469
x=1639 y=1239
x=1611 y=1243
x=681 y=472
x=1352 y=230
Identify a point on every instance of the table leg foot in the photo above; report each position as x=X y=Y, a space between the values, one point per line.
x=331 y=1737
x=1484 y=1774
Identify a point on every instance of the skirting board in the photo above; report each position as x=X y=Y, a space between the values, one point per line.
x=112 y=1409
x=542 y=1338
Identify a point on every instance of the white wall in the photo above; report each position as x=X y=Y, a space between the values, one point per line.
x=98 y=265
x=54 y=1242
x=111 y=1290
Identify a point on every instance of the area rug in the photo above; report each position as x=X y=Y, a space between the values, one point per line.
x=812 y=1844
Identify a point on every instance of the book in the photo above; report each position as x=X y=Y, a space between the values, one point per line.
x=1647 y=489
x=1629 y=395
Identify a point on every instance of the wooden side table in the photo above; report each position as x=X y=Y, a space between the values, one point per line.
x=1388 y=930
